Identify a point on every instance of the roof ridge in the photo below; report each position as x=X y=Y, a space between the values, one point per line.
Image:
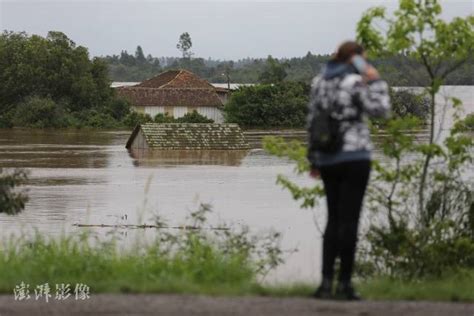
x=169 y=82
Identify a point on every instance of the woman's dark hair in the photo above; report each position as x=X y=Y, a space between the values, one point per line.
x=347 y=50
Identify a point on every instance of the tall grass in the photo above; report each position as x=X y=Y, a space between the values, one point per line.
x=227 y=261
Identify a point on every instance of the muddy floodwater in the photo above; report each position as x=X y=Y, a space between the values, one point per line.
x=89 y=177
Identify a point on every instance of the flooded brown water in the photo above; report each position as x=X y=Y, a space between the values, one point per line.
x=89 y=177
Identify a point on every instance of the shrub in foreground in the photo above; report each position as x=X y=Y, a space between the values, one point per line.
x=12 y=201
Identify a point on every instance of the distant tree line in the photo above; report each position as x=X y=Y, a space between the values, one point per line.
x=398 y=70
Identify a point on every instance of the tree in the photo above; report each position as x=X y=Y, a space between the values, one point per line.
x=140 y=56
x=274 y=71
x=418 y=32
x=48 y=81
x=269 y=105
x=185 y=44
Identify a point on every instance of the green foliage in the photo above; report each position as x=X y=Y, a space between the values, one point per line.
x=274 y=71
x=95 y=119
x=11 y=201
x=192 y=260
x=452 y=286
x=127 y=67
x=409 y=242
x=401 y=241
x=193 y=117
x=38 y=112
x=185 y=44
x=466 y=125
x=398 y=70
x=51 y=66
x=119 y=108
x=405 y=102
x=417 y=31
x=163 y=118
x=51 y=82
x=437 y=236
x=134 y=118
x=277 y=105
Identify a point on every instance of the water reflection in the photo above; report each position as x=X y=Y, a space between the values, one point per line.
x=157 y=158
x=57 y=148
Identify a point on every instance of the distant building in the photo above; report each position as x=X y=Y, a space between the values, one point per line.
x=176 y=92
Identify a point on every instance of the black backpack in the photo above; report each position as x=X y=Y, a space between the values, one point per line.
x=326 y=134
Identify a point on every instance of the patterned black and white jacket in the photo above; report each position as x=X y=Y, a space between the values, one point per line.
x=356 y=99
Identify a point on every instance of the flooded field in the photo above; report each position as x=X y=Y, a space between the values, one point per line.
x=89 y=177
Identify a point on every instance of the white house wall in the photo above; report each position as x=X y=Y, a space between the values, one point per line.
x=213 y=113
x=179 y=111
x=153 y=110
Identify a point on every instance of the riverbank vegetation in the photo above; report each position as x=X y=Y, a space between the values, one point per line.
x=195 y=259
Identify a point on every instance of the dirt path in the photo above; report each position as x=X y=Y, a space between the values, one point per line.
x=109 y=304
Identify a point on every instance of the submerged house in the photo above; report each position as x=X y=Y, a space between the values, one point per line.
x=176 y=92
x=187 y=136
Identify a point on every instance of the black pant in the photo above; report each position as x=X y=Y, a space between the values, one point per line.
x=344 y=184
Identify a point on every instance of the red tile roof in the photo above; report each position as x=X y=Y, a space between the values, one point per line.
x=172 y=88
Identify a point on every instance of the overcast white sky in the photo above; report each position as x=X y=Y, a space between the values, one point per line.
x=219 y=29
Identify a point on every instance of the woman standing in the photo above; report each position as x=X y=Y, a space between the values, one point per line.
x=347 y=91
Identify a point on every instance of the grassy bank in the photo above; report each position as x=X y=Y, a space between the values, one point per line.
x=197 y=259
x=191 y=263
x=454 y=287
x=202 y=267
x=457 y=286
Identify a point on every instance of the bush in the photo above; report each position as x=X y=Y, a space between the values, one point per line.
x=193 y=117
x=405 y=102
x=119 y=108
x=11 y=201
x=6 y=120
x=134 y=118
x=409 y=241
x=278 y=105
x=38 y=112
x=96 y=119
x=163 y=118
x=467 y=124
